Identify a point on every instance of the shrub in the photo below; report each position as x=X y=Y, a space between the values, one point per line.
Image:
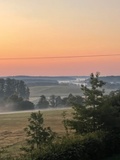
x=89 y=147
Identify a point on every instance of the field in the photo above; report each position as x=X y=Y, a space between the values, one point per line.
x=12 y=135
x=58 y=90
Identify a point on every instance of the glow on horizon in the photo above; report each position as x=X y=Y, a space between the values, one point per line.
x=30 y=28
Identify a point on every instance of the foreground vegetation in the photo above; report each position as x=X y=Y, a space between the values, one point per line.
x=12 y=134
x=92 y=132
x=13 y=137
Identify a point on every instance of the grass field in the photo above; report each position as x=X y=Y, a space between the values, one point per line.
x=58 y=90
x=61 y=90
x=12 y=135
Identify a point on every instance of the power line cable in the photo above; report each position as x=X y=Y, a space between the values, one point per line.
x=60 y=57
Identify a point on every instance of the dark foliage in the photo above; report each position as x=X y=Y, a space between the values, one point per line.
x=9 y=87
x=42 y=103
x=25 y=105
x=37 y=134
x=78 y=148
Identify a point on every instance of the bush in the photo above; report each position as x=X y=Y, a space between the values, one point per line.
x=112 y=143
x=25 y=105
x=89 y=147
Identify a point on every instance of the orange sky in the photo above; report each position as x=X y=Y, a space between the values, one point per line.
x=33 y=28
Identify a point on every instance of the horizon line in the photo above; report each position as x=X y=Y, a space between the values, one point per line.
x=56 y=75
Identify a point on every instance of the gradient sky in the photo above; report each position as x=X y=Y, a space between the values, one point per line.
x=48 y=28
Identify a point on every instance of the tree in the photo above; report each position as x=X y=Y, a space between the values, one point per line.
x=27 y=91
x=14 y=99
x=74 y=100
x=58 y=101
x=22 y=90
x=70 y=100
x=114 y=97
x=2 y=83
x=25 y=105
x=87 y=115
x=9 y=87
x=110 y=112
x=42 y=103
x=64 y=101
x=38 y=135
x=14 y=102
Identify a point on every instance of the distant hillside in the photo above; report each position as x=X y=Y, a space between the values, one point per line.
x=44 y=80
x=111 y=79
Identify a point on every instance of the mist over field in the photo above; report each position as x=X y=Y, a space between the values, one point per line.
x=8 y=107
x=59 y=79
x=60 y=86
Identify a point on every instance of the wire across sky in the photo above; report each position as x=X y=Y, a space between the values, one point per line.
x=59 y=57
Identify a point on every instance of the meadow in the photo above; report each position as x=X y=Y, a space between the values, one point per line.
x=12 y=134
x=57 y=90
x=62 y=90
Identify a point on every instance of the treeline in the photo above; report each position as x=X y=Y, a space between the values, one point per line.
x=9 y=87
x=56 y=101
x=14 y=95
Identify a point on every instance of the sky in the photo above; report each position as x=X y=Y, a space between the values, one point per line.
x=59 y=28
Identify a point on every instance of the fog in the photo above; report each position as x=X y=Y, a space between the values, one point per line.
x=8 y=107
x=34 y=110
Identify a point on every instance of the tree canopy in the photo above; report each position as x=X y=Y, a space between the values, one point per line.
x=98 y=111
x=10 y=87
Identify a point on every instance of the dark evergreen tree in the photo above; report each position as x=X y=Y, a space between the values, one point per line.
x=87 y=115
